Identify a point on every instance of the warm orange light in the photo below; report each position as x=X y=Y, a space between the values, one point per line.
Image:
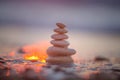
x=32 y=58
x=36 y=52
x=44 y=61
x=35 y=57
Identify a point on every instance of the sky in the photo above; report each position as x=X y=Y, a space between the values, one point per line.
x=78 y=13
x=94 y=24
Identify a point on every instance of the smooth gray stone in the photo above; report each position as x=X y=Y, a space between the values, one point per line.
x=60 y=25
x=59 y=36
x=58 y=51
x=60 y=31
x=59 y=60
x=60 y=43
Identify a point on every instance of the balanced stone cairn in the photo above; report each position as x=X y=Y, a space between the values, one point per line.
x=59 y=53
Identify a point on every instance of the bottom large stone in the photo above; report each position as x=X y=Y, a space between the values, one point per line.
x=59 y=60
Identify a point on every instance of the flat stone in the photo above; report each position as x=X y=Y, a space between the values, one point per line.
x=60 y=31
x=61 y=43
x=59 y=36
x=59 y=60
x=58 y=51
x=60 y=25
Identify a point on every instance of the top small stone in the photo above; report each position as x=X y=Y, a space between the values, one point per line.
x=60 y=25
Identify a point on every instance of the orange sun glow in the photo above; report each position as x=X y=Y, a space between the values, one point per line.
x=36 y=52
x=35 y=57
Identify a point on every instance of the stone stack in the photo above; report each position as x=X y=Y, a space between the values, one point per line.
x=59 y=53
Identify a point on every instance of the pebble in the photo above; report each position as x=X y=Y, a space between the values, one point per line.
x=60 y=25
x=59 y=36
x=59 y=60
x=61 y=43
x=60 y=31
x=57 y=51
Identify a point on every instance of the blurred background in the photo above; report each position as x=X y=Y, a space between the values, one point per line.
x=94 y=25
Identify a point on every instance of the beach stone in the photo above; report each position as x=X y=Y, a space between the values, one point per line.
x=57 y=51
x=2 y=60
x=103 y=76
x=61 y=43
x=59 y=60
x=60 y=31
x=60 y=25
x=59 y=36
